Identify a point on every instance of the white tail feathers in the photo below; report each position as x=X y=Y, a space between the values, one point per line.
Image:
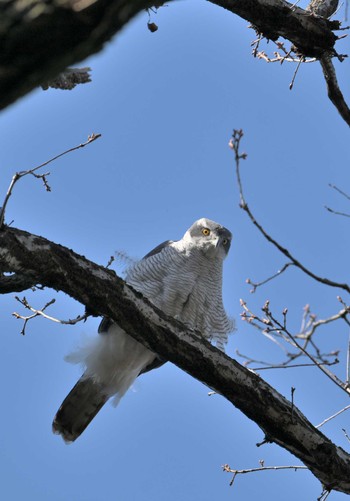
x=112 y=362
x=114 y=359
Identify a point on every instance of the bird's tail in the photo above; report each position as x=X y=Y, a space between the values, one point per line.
x=79 y=408
x=112 y=362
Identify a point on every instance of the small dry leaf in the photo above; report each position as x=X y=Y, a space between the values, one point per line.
x=152 y=27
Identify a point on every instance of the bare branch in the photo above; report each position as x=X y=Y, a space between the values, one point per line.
x=324 y=494
x=283 y=328
x=279 y=58
x=348 y=363
x=228 y=469
x=345 y=433
x=271 y=328
x=110 y=261
x=41 y=313
x=107 y=295
x=334 y=92
x=281 y=366
x=285 y=365
x=23 y=173
x=345 y=214
x=333 y=416
x=234 y=144
x=339 y=191
x=325 y=59
x=263 y=282
x=317 y=323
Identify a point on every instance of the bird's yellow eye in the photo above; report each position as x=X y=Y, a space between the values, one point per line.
x=224 y=241
x=206 y=232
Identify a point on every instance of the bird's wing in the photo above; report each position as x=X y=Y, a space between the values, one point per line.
x=106 y=322
x=159 y=248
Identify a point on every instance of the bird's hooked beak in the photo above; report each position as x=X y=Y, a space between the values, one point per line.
x=218 y=240
x=216 y=244
x=221 y=244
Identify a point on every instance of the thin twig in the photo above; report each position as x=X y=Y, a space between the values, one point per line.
x=234 y=144
x=315 y=324
x=267 y=328
x=255 y=44
x=324 y=495
x=263 y=282
x=110 y=261
x=281 y=366
x=228 y=469
x=344 y=214
x=333 y=416
x=339 y=190
x=291 y=85
x=348 y=363
x=334 y=92
x=345 y=433
x=21 y=174
x=37 y=313
x=292 y=391
x=324 y=369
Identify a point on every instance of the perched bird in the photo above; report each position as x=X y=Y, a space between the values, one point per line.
x=183 y=279
x=322 y=8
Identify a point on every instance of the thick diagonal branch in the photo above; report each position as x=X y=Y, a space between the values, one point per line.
x=103 y=293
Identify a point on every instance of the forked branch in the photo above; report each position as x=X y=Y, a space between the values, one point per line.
x=32 y=172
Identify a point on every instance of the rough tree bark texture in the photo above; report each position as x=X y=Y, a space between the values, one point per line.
x=35 y=260
x=39 y=39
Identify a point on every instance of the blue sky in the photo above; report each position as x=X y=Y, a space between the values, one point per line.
x=166 y=104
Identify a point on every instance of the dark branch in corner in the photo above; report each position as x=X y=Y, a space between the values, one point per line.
x=27 y=61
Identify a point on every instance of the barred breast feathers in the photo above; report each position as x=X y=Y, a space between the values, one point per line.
x=186 y=284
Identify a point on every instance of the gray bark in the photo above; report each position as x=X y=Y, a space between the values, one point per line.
x=103 y=293
x=39 y=39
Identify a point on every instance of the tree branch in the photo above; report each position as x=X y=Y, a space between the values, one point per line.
x=16 y=177
x=234 y=144
x=278 y=18
x=37 y=313
x=16 y=283
x=69 y=79
x=40 y=39
x=228 y=469
x=57 y=267
x=334 y=92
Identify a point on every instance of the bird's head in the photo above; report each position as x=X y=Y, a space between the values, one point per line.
x=209 y=237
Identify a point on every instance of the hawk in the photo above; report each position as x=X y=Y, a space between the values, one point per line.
x=182 y=278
